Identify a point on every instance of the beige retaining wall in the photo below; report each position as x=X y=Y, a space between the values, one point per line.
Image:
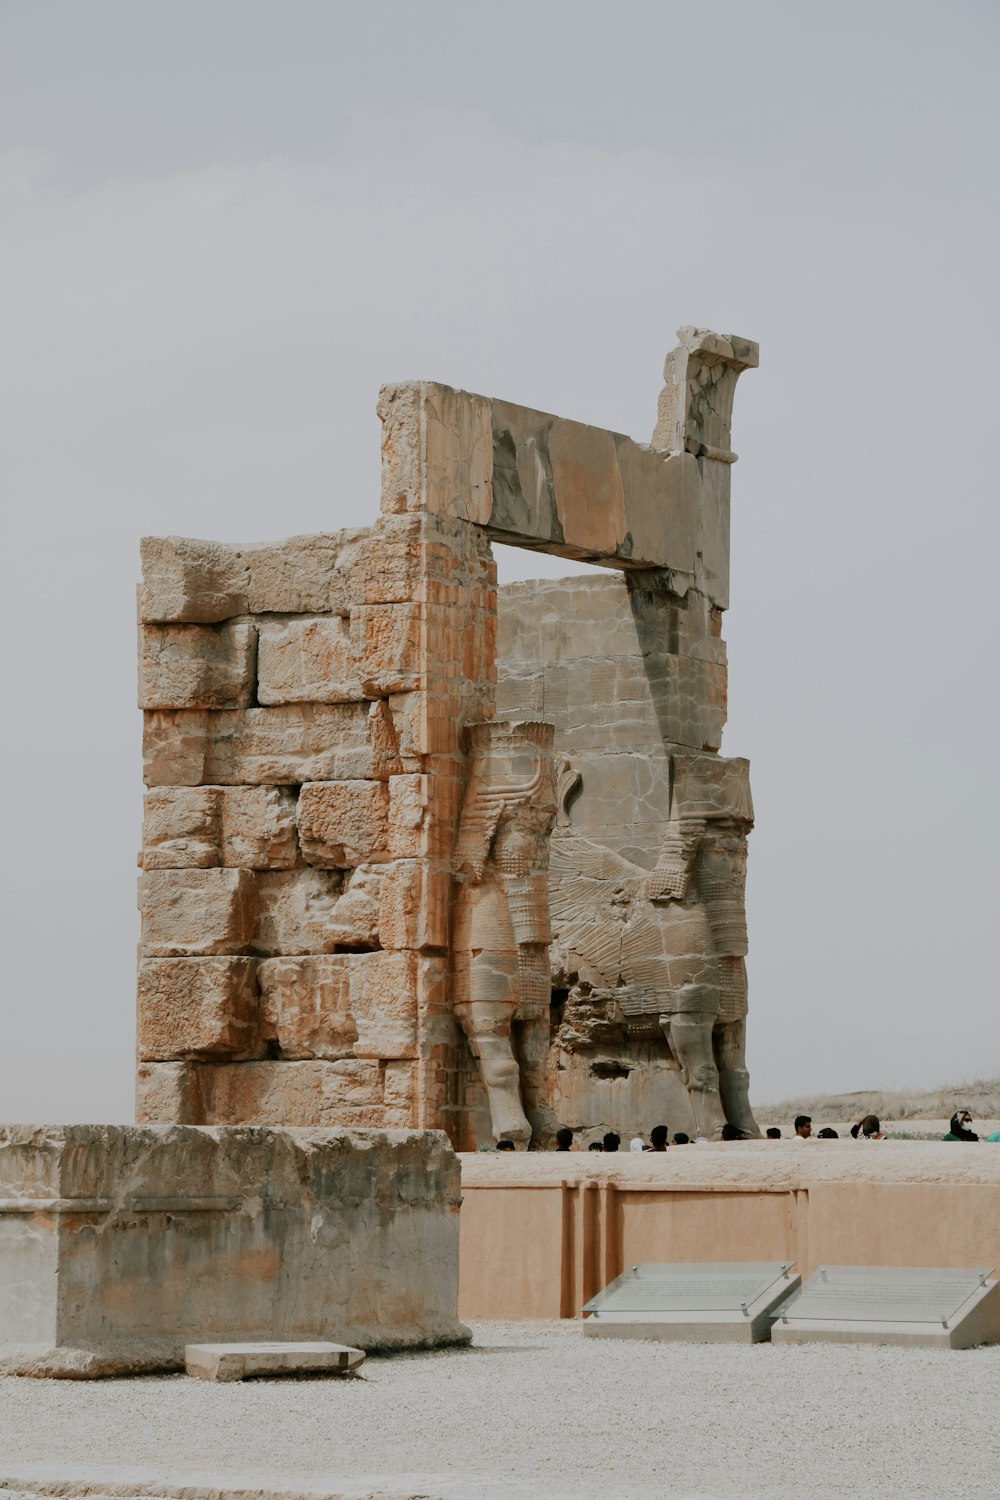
x=542 y=1232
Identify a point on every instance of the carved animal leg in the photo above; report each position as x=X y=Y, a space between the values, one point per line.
x=487 y=1025
x=690 y=1037
x=533 y=1037
x=734 y=1080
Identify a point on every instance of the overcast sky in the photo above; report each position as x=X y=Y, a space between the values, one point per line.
x=225 y=223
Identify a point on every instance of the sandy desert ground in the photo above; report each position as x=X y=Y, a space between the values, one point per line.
x=533 y=1410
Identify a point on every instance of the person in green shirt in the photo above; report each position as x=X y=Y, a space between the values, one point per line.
x=995 y=1136
x=961 y=1127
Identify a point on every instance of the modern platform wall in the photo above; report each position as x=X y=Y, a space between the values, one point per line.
x=541 y=1233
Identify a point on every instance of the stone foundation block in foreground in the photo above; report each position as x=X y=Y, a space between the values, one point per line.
x=120 y=1245
x=241 y=1361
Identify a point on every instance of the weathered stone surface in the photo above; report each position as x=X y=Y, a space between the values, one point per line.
x=343 y=823
x=197 y=1008
x=574 y=490
x=386 y=643
x=196 y=912
x=185 y=579
x=242 y=1361
x=379 y=671
x=294 y=1093
x=283 y=745
x=295 y=909
x=409 y=798
x=303 y=575
x=306 y=1005
x=181 y=827
x=384 y=1001
x=249 y=827
x=258 y=827
x=355 y=918
x=142 y=1240
x=307 y=660
x=341 y=1005
x=414 y=905
x=197 y=666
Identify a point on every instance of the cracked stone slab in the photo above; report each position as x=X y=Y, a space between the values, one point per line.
x=242 y=1361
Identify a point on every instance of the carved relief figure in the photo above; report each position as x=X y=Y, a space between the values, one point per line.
x=500 y=917
x=670 y=943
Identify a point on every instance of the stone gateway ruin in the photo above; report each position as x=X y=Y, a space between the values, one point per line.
x=419 y=852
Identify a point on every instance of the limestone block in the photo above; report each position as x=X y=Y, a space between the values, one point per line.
x=355 y=919
x=521 y=697
x=295 y=910
x=167 y=1093
x=284 y=745
x=196 y=912
x=302 y=575
x=408 y=713
x=436 y=451
x=185 y=579
x=197 y=666
x=711 y=786
x=386 y=644
x=174 y=746
x=145 y=1240
x=414 y=905
x=258 y=827
x=307 y=660
x=242 y=1361
x=399 y=1088
x=181 y=828
x=388 y=564
x=197 y=1008
x=305 y=1005
x=348 y=1092
x=340 y=1005
x=407 y=813
x=386 y=759
x=383 y=1001
x=343 y=823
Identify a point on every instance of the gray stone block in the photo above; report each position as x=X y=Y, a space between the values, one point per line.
x=243 y=1361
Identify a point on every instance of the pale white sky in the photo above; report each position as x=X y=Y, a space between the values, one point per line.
x=225 y=224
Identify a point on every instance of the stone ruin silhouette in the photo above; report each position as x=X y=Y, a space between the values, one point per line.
x=421 y=852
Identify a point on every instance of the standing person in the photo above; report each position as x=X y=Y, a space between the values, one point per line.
x=564 y=1139
x=658 y=1138
x=803 y=1127
x=961 y=1127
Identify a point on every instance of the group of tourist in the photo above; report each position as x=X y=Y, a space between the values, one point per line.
x=867 y=1128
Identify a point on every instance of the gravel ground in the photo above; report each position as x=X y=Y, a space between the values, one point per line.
x=535 y=1410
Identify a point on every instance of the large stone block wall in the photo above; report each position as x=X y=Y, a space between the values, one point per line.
x=349 y=863
x=632 y=675
x=306 y=711
x=120 y=1244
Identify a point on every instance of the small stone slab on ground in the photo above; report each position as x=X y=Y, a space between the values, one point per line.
x=239 y=1361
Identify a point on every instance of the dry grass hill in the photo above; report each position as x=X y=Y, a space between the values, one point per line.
x=926 y=1108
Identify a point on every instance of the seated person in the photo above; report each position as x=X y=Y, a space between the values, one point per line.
x=564 y=1139
x=612 y=1140
x=730 y=1132
x=595 y=1146
x=867 y=1129
x=658 y=1138
x=828 y=1134
x=682 y=1139
x=506 y=1145
x=773 y=1133
x=803 y=1127
x=961 y=1127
